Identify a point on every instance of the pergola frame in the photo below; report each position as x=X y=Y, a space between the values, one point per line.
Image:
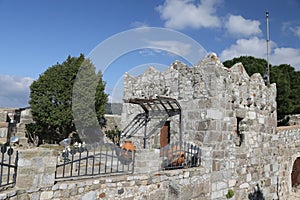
x=153 y=107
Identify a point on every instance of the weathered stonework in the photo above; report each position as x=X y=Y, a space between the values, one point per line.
x=288 y=151
x=294 y=120
x=12 y=123
x=230 y=115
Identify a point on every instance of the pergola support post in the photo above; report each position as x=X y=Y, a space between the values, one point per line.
x=145 y=130
x=180 y=129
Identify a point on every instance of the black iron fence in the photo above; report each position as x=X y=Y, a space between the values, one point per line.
x=176 y=155
x=96 y=159
x=8 y=164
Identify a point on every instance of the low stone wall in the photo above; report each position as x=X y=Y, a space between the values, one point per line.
x=177 y=184
x=268 y=164
x=36 y=180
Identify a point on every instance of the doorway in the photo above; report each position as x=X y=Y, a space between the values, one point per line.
x=165 y=134
x=296 y=173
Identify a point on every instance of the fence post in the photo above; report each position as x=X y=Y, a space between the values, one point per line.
x=147 y=161
x=36 y=169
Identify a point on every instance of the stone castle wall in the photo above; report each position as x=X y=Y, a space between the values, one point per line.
x=230 y=115
x=212 y=97
x=288 y=151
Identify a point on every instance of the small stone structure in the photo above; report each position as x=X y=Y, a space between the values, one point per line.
x=294 y=119
x=12 y=123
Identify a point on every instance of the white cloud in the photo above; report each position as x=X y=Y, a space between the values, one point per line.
x=14 y=91
x=257 y=47
x=179 y=14
x=138 y=24
x=286 y=56
x=174 y=47
x=296 y=31
x=251 y=47
x=239 y=26
x=290 y=27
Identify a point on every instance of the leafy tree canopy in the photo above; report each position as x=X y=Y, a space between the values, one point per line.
x=286 y=78
x=51 y=99
x=251 y=64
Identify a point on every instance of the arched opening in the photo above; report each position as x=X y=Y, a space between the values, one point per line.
x=296 y=173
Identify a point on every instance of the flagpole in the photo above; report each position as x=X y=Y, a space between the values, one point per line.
x=267 y=75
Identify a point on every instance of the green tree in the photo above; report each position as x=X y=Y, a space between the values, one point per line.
x=114 y=135
x=89 y=102
x=51 y=99
x=100 y=100
x=288 y=89
x=251 y=64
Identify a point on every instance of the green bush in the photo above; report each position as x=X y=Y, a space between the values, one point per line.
x=230 y=194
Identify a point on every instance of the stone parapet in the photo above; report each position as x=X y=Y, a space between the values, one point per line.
x=147 y=161
x=36 y=169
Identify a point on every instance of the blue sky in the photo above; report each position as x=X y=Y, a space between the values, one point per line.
x=35 y=35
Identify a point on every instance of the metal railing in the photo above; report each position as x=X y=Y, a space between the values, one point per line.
x=176 y=155
x=8 y=164
x=96 y=159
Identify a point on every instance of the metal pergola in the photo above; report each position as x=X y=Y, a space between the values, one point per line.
x=159 y=108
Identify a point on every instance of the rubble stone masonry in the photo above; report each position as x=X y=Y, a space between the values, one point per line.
x=231 y=116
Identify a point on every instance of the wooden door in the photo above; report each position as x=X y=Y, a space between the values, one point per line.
x=296 y=173
x=165 y=134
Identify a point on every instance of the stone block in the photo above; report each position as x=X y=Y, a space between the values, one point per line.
x=214 y=114
x=3 y=116
x=217 y=194
x=46 y=195
x=216 y=176
x=216 y=165
x=186 y=174
x=24 y=162
x=47 y=180
x=202 y=125
x=217 y=154
x=3 y=135
x=212 y=137
x=199 y=137
x=244 y=185
x=241 y=112
x=252 y=115
x=160 y=194
x=221 y=185
x=248 y=177
x=80 y=190
x=231 y=183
